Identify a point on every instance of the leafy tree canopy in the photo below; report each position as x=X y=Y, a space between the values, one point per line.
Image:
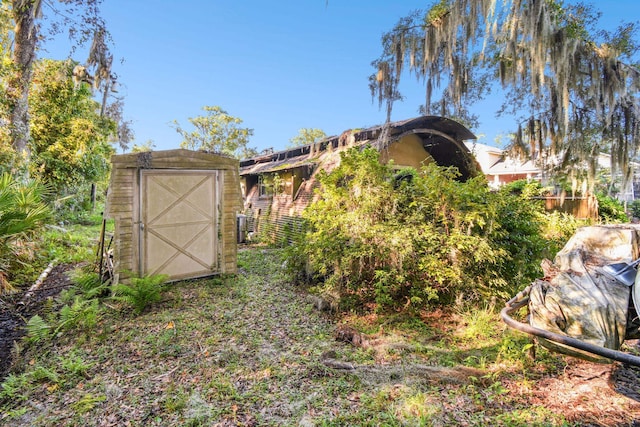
x=143 y=148
x=572 y=87
x=307 y=136
x=218 y=132
x=82 y=20
x=70 y=139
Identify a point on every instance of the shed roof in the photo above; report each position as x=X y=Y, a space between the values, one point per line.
x=173 y=159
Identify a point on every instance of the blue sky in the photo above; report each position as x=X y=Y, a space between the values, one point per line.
x=279 y=65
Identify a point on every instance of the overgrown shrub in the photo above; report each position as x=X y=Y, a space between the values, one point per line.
x=557 y=229
x=387 y=239
x=518 y=225
x=22 y=213
x=80 y=314
x=634 y=209
x=525 y=187
x=610 y=209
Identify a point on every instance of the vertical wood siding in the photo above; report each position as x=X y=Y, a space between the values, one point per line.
x=123 y=203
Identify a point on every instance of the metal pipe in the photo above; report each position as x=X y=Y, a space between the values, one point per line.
x=522 y=298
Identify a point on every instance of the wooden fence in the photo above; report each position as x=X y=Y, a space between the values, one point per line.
x=580 y=207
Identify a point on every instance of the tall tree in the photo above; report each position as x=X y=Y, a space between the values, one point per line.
x=572 y=87
x=70 y=138
x=83 y=25
x=218 y=132
x=7 y=153
x=307 y=136
x=25 y=13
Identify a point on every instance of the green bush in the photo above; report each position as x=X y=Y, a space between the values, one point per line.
x=141 y=292
x=634 y=208
x=557 y=229
x=519 y=221
x=89 y=284
x=391 y=240
x=610 y=209
x=525 y=187
x=22 y=214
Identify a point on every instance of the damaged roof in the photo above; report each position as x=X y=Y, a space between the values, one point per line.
x=442 y=138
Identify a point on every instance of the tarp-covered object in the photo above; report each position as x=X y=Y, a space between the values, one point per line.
x=578 y=299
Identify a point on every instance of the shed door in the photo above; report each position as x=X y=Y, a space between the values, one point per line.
x=179 y=223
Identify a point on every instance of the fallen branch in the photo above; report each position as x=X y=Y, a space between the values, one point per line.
x=166 y=374
x=38 y=283
x=337 y=364
x=449 y=375
x=456 y=375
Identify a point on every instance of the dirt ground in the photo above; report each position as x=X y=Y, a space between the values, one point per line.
x=585 y=391
x=589 y=392
x=16 y=309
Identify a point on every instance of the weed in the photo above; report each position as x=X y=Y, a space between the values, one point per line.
x=515 y=347
x=13 y=387
x=141 y=292
x=176 y=400
x=37 y=329
x=490 y=392
x=363 y=356
x=477 y=323
x=533 y=416
x=167 y=345
x=419 y=409
x=88 y=402
x=19 y=387
x=89 y=283
x=74 y=366
x=480 y=362
x=72 y=243
x=15 y=413
x=43 y=374
x=80 y=314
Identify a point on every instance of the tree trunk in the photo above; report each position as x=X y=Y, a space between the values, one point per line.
x=24 y=53
x=93 y=196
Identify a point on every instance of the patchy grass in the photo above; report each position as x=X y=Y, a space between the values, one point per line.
x=251 y=349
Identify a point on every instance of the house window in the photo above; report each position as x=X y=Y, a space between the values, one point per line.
x=265 y=186
x=274 y=184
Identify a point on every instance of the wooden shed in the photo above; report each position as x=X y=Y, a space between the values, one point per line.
x=175 y=214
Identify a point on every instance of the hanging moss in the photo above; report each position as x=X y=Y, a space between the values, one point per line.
x=538 y=47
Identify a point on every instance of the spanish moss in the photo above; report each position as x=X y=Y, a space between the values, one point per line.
x=573 y=97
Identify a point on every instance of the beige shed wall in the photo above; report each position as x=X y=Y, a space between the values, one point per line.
x=123 y=202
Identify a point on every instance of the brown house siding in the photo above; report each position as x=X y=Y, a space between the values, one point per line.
x=411 y=143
